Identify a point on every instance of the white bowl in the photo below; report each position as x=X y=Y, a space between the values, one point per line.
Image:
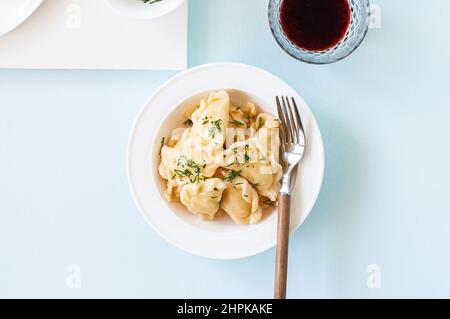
x=137 y=9
x=164 y=111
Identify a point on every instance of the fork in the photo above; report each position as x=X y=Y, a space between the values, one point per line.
x=293 y=143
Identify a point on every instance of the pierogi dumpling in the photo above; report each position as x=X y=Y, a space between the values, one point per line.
x=204 y=198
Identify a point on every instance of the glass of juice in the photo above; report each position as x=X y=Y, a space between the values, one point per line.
x=319 y=31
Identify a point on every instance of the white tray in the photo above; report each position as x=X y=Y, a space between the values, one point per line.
x=88 y=34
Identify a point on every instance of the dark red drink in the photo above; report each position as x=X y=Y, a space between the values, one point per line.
x=315 y=25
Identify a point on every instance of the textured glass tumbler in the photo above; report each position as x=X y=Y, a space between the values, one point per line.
x=359 y=24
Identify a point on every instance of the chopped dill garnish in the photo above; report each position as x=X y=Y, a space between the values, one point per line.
x=232 y=175
x=150 y=1
x=189 y=169
x=217 y=127
x=246 y=158
x=259 y=123
x=183 y=173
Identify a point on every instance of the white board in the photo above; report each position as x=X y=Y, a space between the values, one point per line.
x=88 y=34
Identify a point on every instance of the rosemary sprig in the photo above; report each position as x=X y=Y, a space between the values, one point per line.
x=217 y=126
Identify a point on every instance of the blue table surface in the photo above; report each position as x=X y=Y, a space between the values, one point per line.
x=383 y=213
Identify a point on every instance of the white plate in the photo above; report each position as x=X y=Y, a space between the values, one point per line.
x=164 y=111
x=137 y=9
x=14 y=12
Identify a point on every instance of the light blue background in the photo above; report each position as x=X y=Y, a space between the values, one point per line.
x=384 y=114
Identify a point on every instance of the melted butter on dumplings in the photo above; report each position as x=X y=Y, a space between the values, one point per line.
x=180 y=169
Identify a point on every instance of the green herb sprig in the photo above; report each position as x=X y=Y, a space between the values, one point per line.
x=189 y=169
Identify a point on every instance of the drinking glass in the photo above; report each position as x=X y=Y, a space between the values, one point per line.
x=359 y=24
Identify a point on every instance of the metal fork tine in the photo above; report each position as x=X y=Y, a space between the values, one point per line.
x=299 y=120
x=282 y=117
x=282 y=137
x=289 y=134
x=293 y=121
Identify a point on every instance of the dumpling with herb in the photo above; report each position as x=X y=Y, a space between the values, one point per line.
x=179 y=169
x=255 y=164
x=210 y=120
x=265 y=120
x=203 y=198
x=241 y=201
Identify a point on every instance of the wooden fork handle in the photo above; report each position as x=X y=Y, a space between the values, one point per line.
x=281 y=261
